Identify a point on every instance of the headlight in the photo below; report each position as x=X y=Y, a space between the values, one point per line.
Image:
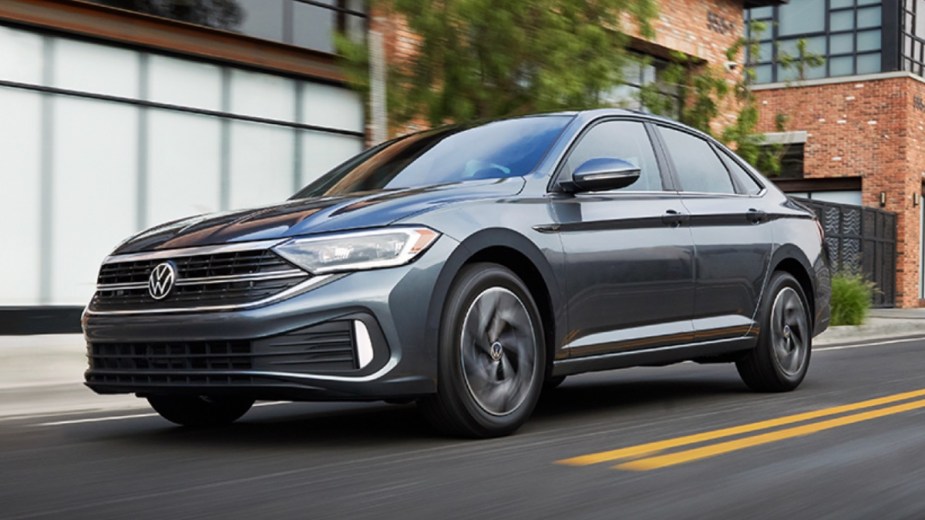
x=356 y=251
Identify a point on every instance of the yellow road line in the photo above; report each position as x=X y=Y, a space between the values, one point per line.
x=713 y=450
x=654 y=447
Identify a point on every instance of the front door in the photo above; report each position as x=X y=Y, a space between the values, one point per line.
x=629 y=254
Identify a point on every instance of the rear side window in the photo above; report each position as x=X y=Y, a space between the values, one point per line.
x=699 y=168
x=745 y=180
x=625 y=140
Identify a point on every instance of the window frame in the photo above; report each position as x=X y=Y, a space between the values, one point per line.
x=772 y=36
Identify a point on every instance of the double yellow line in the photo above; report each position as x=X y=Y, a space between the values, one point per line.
x=651 y=455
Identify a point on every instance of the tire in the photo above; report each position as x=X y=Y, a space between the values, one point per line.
x=200 y=410
x=781 y=359
x=491 y=355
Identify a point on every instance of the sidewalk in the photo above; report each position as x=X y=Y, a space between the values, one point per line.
x=882 y=324
x=43 y=374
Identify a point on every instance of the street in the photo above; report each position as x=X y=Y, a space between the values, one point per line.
x=849 y=443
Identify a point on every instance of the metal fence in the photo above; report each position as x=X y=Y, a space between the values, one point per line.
x=861 y=240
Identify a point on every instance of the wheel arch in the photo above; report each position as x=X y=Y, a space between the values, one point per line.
x=515 y=252
x=791 y=260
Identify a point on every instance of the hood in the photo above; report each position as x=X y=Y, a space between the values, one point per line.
x=315 y=215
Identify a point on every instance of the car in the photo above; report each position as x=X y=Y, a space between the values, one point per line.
x=469 y=268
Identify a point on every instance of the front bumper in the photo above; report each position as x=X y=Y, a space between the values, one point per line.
x=262 y=352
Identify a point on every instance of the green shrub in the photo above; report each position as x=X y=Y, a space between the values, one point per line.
x=851 y=297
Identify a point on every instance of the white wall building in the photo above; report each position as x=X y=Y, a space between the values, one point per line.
x=100 y=138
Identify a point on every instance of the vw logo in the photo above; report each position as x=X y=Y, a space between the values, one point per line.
x=161 y=280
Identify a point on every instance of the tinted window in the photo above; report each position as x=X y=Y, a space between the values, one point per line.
x=699 y=169
x=752 y=186
x=625 y=140
x=508 y=148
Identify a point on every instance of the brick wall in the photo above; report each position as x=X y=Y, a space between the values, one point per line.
x=869 y=129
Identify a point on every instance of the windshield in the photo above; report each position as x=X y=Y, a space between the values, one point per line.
x=508 y=148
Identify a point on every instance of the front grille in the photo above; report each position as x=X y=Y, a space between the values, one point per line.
x=199 y=266
x=204 y=280
x=325 y=348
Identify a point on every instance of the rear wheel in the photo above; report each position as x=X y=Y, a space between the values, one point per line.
x=781 y=359
x=491 y=357
x=200 y=410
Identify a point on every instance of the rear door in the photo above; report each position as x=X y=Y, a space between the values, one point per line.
x=732 y=235
x=629 y=256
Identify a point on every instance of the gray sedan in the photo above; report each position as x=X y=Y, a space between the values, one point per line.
x=467 y=268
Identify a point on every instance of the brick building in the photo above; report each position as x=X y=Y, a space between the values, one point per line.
x=856 y=129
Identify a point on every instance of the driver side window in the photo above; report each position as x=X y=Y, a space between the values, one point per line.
x=625 y=140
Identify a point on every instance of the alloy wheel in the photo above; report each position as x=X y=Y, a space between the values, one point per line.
x=498 y=351
x=789 y=331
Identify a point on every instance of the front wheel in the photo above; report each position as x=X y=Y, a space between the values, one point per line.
x=491 y=355
x=200 y=410
x=781 y=359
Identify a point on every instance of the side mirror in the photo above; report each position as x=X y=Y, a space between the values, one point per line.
x=601 y=174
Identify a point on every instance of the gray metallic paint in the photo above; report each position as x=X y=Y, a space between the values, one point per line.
x=626 y=284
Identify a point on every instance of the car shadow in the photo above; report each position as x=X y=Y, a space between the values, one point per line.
x=352 y=425
x=580 y=398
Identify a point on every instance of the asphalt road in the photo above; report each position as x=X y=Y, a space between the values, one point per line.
x=843 y=456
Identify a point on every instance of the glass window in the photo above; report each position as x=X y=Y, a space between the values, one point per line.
x=765 y=52
x=261 y=18
x=314 y=26
x=869 y=17
x=814 y=72
x=752 y=186
x=761 y=12
x=302 y=22
x=332 y=107
x=21 y=59
x=763 y=74
x=791 y=161
x=506 y=148
x=801 y=17
x=920 y=18
x=102 y=69
x=698 y=167
x=94 y=163
x=184 y=82
x=841 y=66
x=20 y=174
x=841 y=44
x=625 y=140
x=184 y=152
x=869 y=40
x=221 y=14
x=841 y=21
x=261 y=164
x=322 y=151
x=262 y=95
x=868 y=63
x=835 y=4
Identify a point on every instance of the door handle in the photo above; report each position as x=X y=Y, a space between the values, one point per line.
x=756 y=216
x=673 y=218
